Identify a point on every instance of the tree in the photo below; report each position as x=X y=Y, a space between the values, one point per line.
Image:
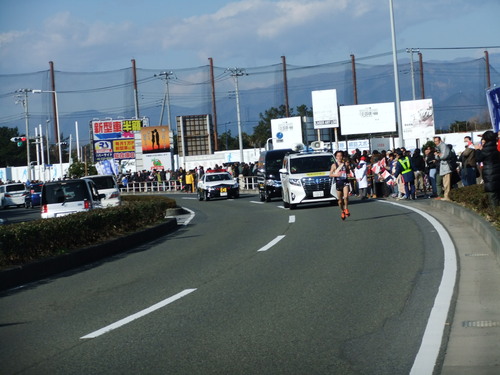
x=78 y=169
x=10 y=154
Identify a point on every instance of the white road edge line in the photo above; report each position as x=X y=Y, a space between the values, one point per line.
x=271 y=244
x=191 y=216
x=291 y=219
x=256 y=202
x=138 y=315
x=433 y=335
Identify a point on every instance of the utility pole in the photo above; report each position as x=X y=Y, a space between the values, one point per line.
x=396 y=75
x=412 y=69
x=166 y=97
x=235 y=73
x=24 y=101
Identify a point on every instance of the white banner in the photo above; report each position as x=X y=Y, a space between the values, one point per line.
x=286 y=132
x=368 y=118
x=418 y=119
x=325 y=112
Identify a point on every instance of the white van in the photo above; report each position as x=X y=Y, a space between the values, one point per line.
x=106 y=184
x=12 y=195
x=306 y=178
x=60 y=198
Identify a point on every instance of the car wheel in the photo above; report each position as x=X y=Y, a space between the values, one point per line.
x=267 y=196
x=262 y=197
x=293 y=206
x=207 y=197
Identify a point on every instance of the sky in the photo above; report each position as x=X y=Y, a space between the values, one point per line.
x=102 y=35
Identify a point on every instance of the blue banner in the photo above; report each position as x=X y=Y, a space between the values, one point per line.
x=493 y=99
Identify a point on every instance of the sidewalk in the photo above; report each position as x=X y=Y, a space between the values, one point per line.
x=474 y=339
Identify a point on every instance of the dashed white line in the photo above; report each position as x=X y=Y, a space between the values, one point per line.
x=291 y=219
x=138 y=315
x=256 y=202
x=271 y=244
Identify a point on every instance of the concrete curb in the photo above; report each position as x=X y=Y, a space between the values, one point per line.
x=20 y=275
x=485 y=230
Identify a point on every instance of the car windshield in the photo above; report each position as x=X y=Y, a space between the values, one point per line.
x=36 y=188
x=16 y=187
x=218 y=177
x=311 y=164
x=104 y=182
x=65 y=192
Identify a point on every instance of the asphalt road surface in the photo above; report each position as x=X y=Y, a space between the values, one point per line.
x=244 y=288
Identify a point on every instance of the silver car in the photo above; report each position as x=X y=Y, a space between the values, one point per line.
x=12 y=195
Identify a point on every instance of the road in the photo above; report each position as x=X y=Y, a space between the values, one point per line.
x=245 y=288
x=14 y=215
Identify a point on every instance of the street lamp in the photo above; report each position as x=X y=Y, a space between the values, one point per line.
x=235 y=73
x=57 y=126
x=396 y=75
x=26 y=117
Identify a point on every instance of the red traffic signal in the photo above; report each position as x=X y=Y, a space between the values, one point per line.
x=19 y=140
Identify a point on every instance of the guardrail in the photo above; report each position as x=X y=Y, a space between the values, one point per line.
x=246 y=183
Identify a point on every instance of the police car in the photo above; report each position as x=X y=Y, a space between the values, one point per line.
x=305 y=178
x=217 y=185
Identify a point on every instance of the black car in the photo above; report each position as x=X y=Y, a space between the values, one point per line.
x=267 y=172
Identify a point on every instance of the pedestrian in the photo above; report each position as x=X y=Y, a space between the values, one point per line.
x=468 y=160
x=418 y=163
x=339 y=172
x=431 y=169
x=488 y=154
x=442 y=154
x=362 y=180
x=404 y=167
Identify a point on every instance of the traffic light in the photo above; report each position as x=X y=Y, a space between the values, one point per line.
x=19 y=140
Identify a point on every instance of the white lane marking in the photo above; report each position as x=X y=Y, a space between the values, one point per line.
x=291 y=219
x=256 y=202
x=191 y=216
x=192 y=198
x=138 y=315
x=271 y=244
x=433 y=335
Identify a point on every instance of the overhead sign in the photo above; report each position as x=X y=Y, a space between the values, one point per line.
x=368 y=118
x=325 y=112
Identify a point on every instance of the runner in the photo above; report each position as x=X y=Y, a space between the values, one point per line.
x=340 y=172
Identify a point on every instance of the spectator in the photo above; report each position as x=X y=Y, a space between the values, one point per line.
x=418 y=163
x=468 y=160
x=404 y=168
x=488 y=154
x=442 y=154
x=360 y=173
x=431 y=169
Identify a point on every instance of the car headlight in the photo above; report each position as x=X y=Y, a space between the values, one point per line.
x=273 y=183
x=294 y=181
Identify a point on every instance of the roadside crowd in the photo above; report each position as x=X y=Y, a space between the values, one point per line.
x=402 y=174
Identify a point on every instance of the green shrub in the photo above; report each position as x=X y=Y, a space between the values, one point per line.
x=25 y=242
x=474 y=198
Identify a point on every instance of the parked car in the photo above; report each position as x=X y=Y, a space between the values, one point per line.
x=33 y=197
x=217 y=185
x=268 y=175
x=12 y=195
x=306 y=178
x=107 y=185
x=66 y=197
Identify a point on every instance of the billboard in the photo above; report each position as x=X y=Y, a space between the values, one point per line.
x=155 y=139
x=114 y=139
x=368 y=118
x=325 y=112
x=417 y=117
x=115 y=129
x=286 y=132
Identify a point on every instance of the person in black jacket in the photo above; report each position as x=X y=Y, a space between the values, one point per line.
x=488 y=154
